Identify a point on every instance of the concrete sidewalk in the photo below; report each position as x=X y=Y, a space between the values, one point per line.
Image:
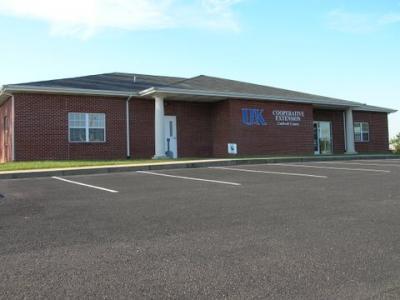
x=181 y=165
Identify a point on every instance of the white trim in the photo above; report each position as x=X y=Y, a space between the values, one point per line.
x=362 y=132
x=153 y=90
x=174 y=91
x=37 y=89
x=370 y=108
x=174 y=129
x=87 y=128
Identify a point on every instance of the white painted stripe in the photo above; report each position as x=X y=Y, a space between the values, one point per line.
x=188 y=178
x=331 y=168
x=377 y=160
x=381 y=160
x=84 y=184
x=389 y=159
x=360 y=164
x=269 y=172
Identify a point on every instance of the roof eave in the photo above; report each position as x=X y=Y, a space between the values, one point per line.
x=376 y=109
x=3 y=95
x=73 y=91
x=174 y=91
x=5 y=90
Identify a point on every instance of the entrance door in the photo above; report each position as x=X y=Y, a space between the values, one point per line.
x=322 y=138
x=171 y=142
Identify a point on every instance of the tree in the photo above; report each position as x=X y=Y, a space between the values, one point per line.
x=395 y=142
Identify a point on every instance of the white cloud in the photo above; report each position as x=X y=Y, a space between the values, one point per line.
x=390 y=18
x=84 y=18
x=219 y=6
x=360 y=22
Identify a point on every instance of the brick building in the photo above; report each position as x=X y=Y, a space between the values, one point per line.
x=114 y=116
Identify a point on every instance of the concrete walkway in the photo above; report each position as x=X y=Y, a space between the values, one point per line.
x=181 y=165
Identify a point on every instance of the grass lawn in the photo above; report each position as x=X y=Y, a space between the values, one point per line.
x=52 y=164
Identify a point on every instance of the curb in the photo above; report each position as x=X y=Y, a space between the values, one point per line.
x=169 y=166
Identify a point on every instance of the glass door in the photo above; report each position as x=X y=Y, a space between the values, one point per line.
x=316 y=138
x=322 y=138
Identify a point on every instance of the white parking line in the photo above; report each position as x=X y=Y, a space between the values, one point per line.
x=383 y=161
x=360 y=164
x=269 y=172
x=188 y=178
x=84 y=184
x=332 y=168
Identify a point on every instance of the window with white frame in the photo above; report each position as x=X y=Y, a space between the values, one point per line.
x=87 y=127
x=361 y=132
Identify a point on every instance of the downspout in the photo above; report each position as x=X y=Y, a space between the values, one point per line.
x=13 y=127
x=345 y=131
x=128 y=134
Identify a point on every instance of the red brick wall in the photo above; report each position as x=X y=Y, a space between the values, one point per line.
x=378 y=131
x=193 y=127
x=6 y=133
x=142 y=128
x=204 y=129
x=269 y=139
x=221 y=124
x=336 y=119
x=41 y=127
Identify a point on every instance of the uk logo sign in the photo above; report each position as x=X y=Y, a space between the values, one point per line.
x=253 y=116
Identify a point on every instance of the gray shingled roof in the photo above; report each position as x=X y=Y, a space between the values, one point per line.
x=121 y=82
x=124 y=82
x=135 y=83
x=203 y=82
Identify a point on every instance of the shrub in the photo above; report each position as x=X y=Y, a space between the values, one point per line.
x=395 y=142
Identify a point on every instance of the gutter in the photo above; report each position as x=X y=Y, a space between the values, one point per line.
x=357 y=106
x=375 y=109
x=176 y=91
x=39 y=89
x=166 y=91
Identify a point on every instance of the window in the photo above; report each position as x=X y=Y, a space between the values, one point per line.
x=87 y=127
x=361 y=132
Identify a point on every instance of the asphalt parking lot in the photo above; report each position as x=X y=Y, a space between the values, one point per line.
x=320 y=230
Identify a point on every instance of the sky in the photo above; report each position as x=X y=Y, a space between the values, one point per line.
x=337 y=48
